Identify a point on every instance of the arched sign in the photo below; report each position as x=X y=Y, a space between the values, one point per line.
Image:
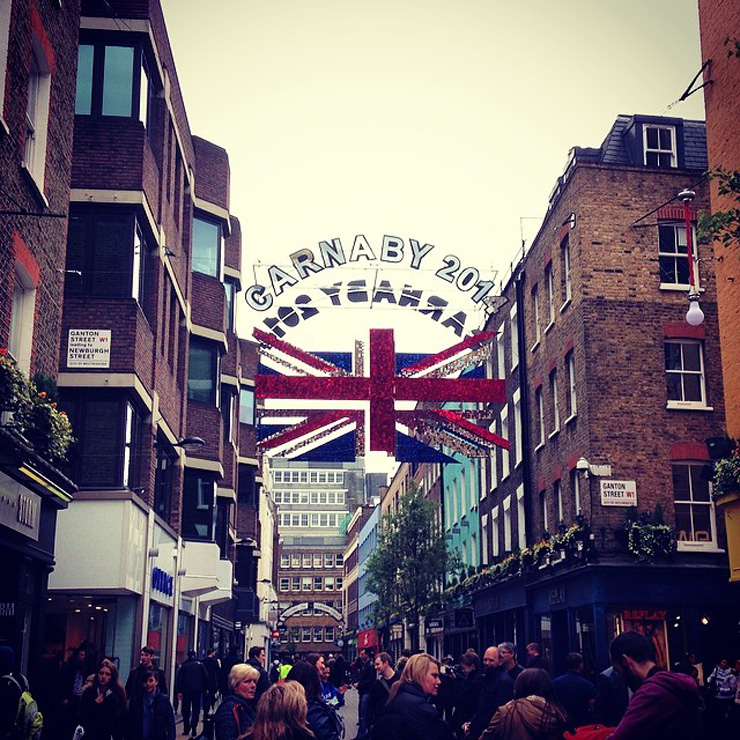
x=411 y=253
x=317 y=606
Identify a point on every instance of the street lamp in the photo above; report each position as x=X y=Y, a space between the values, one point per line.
x=694 y=316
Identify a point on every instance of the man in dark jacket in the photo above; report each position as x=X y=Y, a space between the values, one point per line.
x=381 y=688
x=575 y=693
x=192 y=682
x=212 y=665
x=257 y=660
x=135 y=679
x=150 y=712
x=468 y=692
x=498 y=688
x=664 y=705
x=365 y=680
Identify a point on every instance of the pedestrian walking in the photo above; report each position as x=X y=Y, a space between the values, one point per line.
x=20 y=717
x=257 y=659
x=213 y=666
x=151 y=716
x=236 y=713
x=103 y=705
x=191 y=685
x=231 y=659
x=498 y=688
x=575 y=693
x=664 y=706
x=533 y=714
x=323 y=720
x=468 y=692
x=135 y=680
x=409 y=714
x=365 y=678
x=721 y=695
x=281 y=714
x=507 y=653
x=380 y=691
x=72 y=679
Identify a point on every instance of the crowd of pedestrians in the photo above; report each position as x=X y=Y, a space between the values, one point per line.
x=417 y=698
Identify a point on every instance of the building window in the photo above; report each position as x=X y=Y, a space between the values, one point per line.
x=495 y=545
x=571 y=407
x=339 y=560
x=284 y=584
x=329 y=634
x=540 y=411
x=246 y=407
x=575 y=486
x=521 y=518
x=550 y=295
x=164 y=479
x=684 y=366
x=659 y=144
x=329 y=583
x=695 y=521
x=557 y=494
x=565 y=265
x=518 y=447
x=4 y=37
x=514 y=337
x=507 y=524
x=673 y=255
x=284 y=561
x=203 y=372
x=230 y=307
x=199 y=506
x=543 y=511
x=206 y=247
x=20 y=338
x=306 y=583
x=305 y=634
x=113 y=80
x=500 y=352
x=536 y=315
x=228 y=398
x=318 y=583
x=554 y=397
x=295 y=583
x=329 y=560
x=107 y=255
x=37 y=114
x=340 y=583
x=318 y=634
x=306 y=560
x=505 y=454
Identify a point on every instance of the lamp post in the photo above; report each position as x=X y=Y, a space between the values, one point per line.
x=694 y=316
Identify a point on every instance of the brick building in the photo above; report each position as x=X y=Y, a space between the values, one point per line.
x=161 y=545
x=606 y=382
x=38 y=55
x=721 y=94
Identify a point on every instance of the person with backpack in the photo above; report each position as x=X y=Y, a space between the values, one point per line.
x=20 y=718
x=323 y=720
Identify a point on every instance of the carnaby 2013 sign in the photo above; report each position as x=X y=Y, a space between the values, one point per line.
x=413 y=254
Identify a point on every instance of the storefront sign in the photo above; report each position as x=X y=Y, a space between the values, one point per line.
x=367 y=638
x=618 y=493
x=20 y=509
x=464 y=618
x=162 y=581
x=434 y=625
x=88 y=348
x=7 y=609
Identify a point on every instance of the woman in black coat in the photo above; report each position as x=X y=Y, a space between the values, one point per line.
x=235 y=714
x=103 y=705
x=409 y=715
x=323 y=721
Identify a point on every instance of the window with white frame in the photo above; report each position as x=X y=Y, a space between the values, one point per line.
x=659 y=145
x=557 y=494
x=306 y=583
x=501 y=352
x=484 y=539
x=495 y=545
x=507 y=524
x=339 y=582
x=571 y=406
x=536 y=314
x=514 y=333
x=306 y=560
x=339 y=560
x=494 y=461
x=4 y=38
x=518 y=447
x=505 y=454
x=318 y=583
x=284 y=584
x=554 y=396
x=329 y=634
x=543 y=511
x=329 y=583
x=696 y=527
x=295 y=560
x=521 y=518
x=318 y=634
x=550 y=295
x=539 y=405
x=483 y=478
x=329 y=560
x=305 y=634
x=673 y=258
x=684 y=366
x=22 y=309
x=284 y=561
x=565 y=267
x=575 y=487
x=295 y=583
x=37 y=114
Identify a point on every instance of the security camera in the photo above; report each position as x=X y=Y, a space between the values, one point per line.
x=582 y=465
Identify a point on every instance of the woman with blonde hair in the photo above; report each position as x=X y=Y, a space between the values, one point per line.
x=281 y=714
x=409 y=714
x=236 y=712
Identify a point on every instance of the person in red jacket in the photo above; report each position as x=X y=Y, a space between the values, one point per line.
x=664 y=705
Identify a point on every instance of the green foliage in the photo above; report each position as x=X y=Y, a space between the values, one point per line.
x=647 y=537
x=722 y=226
x=727 y=474
x=411 y=560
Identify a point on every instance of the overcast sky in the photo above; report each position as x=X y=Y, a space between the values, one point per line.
x=445 y=122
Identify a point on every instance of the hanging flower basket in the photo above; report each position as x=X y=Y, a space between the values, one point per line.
x=726 y=478
x=15 y=398
x=47 y=428
x=647 y=540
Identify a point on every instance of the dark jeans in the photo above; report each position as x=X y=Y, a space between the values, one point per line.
x=190 y=711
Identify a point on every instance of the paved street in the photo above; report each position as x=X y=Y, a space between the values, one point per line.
x=349 y=713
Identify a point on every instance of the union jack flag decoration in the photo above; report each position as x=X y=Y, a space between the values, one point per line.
x=424 y=381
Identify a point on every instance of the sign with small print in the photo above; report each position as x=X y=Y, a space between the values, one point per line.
x=618 y=493
x=88 y=348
